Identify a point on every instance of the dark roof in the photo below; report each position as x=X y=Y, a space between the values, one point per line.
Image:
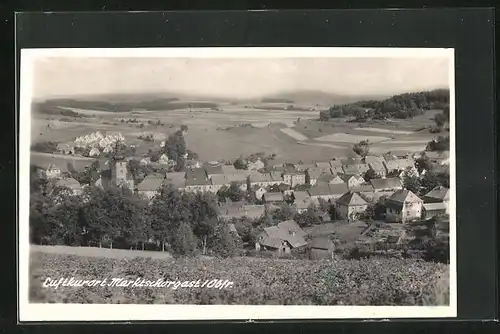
x=292 y=226
x=389 y=183
x=328 y=189
x=439 y=192
x=213 y=170
x=150 y=183
x=404 y=195
x=196 y=173
x=363 y=188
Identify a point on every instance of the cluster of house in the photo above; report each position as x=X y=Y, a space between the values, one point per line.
x=97 y=143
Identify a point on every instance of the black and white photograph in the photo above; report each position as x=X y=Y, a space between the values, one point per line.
x=237 y=183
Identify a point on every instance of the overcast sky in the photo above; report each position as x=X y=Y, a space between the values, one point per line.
x=237 y=77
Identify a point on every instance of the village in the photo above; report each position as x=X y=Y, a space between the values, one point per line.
x=346 y=190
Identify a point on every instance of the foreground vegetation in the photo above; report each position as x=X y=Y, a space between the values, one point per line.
x=256 y=281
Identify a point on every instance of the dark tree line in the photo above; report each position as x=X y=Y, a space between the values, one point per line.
x=114 y=217
x=398 y=106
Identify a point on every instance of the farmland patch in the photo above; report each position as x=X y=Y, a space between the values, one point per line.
x=294 y=134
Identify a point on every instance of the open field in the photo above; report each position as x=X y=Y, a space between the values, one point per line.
x=99 y=252
x=292 y=135
x=349 y=138
x=45 y=159
x=396 y=132
x=376 y=281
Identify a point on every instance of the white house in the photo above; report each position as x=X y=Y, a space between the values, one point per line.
x=403 y=206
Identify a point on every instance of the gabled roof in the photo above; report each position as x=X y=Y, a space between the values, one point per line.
x=273 y=196
x=150 y=183
x=364 y=187
x=350 y=169
x=300 y=195
x=440 y=193
x=320 y=190
x=176 y=175
x=404 y=195
x=291 y=226
x=328 y=189
x=196 y=173
x=228 y=169
x=351 y=198
x=219 y=180
x=378 y=167
x=303 y=167
x=315 y=172
x=389 y=183
x=261 y=177
x=322 y=242
x=326 y=178
x=275 y=235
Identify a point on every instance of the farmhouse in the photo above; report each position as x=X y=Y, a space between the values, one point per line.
x=321 y=247
x=352 y=180
x=294 y=178
x=273 y=197
x=282 y=238
x=150 y=186
x=350 y=206
x=403 y=206
x=70 y=183
x=370 y=159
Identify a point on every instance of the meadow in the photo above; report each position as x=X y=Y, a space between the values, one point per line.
x=374 y=281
